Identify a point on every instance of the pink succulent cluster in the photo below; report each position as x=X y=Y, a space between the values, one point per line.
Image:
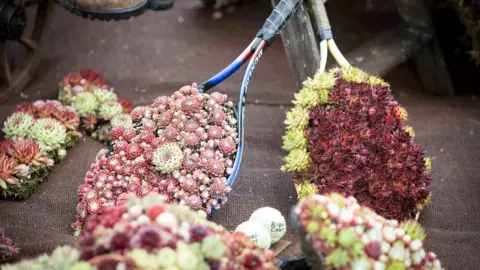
x=152 y=234
x=350 y=236
x=182 y=146
x=8 y=251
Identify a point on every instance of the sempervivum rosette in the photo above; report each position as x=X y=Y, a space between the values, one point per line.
x=23 y=166
x=347 y=134
x=8 y=251
x=349 y=236
x=182 y=146
x=95 y=102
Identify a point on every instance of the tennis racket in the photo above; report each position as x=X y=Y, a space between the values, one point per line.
x=264 y=38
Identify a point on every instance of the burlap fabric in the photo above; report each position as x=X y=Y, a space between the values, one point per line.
x=156 y=54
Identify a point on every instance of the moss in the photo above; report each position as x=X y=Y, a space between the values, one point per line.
x=26 y=187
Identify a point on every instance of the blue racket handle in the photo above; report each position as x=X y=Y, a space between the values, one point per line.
x=278 y=19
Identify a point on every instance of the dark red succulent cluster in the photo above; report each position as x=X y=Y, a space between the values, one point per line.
x=358 y=147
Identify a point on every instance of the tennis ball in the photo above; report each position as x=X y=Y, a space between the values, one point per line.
x=256 y=232
x=272 y=220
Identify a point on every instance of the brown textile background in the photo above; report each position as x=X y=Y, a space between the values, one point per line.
x=157 y=53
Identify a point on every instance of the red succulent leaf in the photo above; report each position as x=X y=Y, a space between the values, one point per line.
x=7 y=169
x=92 y=77
x=126 y=105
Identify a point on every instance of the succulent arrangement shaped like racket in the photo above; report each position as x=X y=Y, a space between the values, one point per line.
x=339 y=233
x=96 y=103
x=347 y=134
x=148 y=233
x=37 y=135
x=182 y=146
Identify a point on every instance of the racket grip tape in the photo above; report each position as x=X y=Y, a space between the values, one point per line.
x=319 y=13
x=278 y=19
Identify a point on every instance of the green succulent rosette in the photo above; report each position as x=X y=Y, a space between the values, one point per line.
x=49 y=133
x=124 y=120
x=18 y=125
x=104 y=95
x=168 y=158
x=85 y=103
x=109 y=109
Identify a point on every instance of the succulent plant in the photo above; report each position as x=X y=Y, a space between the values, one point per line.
x=167 y=158
x=156 y=235
x=51 y=109
x=85 y=103
x=8 y=251
x=350 y=236
x=18 y=125
x=126 y=105
x=68 y=117
x=182 y=146
x=124 y=120
x=7 y=171
x=104 y=95
x=347 y=134
x=63 y=257
x=28 y=159
x=89 y=123
x=74 y=84
x=25 y=151
x=49 y=133
x=96 y=103
x=109 y=109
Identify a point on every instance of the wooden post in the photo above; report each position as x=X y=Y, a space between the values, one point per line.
x=429 y=61
x=413 y=37
x=301 y=45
